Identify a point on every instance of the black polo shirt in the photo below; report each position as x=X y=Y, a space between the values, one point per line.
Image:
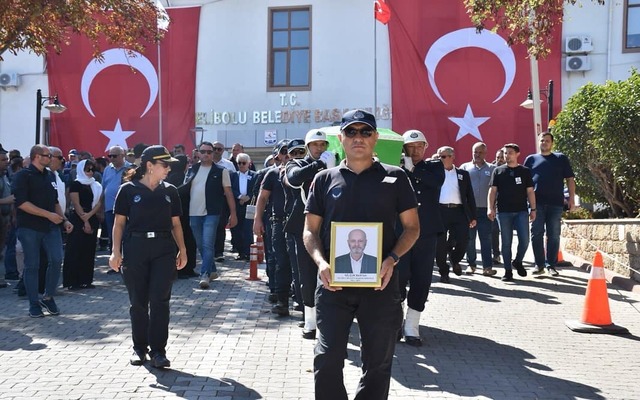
x=148 y=210
x=40 y=189
x=378 y=194
x=512 y=184
x=273 y=183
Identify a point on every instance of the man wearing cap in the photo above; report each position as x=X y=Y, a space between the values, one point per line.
x=300 y=174
x=206 y=188
x=272 y=190
x=111 y=180
x=480 y=173
x=416 y=267
x=340 y=194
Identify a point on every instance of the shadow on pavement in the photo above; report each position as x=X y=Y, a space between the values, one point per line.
x=13 y=340
x=189 y=386
x=500 y=371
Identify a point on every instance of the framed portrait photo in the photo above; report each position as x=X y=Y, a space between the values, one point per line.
x=356 y=254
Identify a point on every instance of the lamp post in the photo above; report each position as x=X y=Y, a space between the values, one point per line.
x=529 y=103
x=54 y=107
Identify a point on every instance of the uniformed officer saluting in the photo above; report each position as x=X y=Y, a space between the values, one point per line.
x=150 y=209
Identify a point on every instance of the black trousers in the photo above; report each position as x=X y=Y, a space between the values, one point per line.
x=190 y=244
x=379 y=317
x=454 y=240
x=416 y=269
x=221 y=233
x=308 y=271
x=79 y=256
x=149 y=269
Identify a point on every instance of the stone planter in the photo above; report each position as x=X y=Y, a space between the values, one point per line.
x=617 y=239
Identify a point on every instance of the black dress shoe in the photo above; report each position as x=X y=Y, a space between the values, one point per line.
x=309 y=334
x=457 y=269
x=413 y=341
x=273 y=298
x=160 y=361
x=138 y=358
x=301 y=324
x=444 y=278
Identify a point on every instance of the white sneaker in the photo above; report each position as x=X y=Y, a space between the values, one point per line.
x=471 y=269
x=204 y=281
x=537 y=270
x=552 y=271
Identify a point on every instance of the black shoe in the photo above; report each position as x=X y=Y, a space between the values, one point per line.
x=298 y=307
x=457 y=269
x=444 y=278
x=87 y=286
x=138 y=358
x=219 y=257
x=301 y=324
x=413 y=341
x=281 y=309
x=508 y=276
x=519 y=268
x=273 y=298
x=160 y=361
x=309 y=334
x=11 y=276
x=242 y=257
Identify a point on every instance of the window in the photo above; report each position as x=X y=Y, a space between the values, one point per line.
x=631 y=26
x=290 y=48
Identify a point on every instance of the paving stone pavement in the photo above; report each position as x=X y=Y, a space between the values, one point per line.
x=484 y=339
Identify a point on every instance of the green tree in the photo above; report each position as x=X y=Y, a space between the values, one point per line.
x=530 y=22
x=38 y=25
x=599 y=130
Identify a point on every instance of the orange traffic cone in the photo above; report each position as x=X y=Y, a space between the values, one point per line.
x=260 y=244
x=596 y=316
x=561 y=261
x=253 y=263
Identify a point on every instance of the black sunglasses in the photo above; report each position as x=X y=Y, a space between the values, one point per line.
x=352 y=132
x=242 y=163
x=59 y=158
x=46 y=155
x=89 y=170
x=218 y=148
x=205 y=151
x=113 y=155
x=445 y=156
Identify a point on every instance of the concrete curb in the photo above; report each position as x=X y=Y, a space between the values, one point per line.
x=622 y=282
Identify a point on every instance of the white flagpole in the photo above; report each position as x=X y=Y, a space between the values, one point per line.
x=163 y=24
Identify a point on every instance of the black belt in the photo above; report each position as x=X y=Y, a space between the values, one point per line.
x=151 y=235
x=277 y=219
x=451 y=205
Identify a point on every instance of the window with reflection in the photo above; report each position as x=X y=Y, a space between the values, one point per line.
x=632 y=25
x=289 y=48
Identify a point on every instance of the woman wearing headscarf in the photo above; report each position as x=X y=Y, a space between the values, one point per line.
x=80 y=251
x=146 y=232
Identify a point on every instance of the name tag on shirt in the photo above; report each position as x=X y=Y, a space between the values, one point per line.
x=518 y=180
x=389 y=179
x=459 y=177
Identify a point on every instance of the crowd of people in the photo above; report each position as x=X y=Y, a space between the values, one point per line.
x=170 y=207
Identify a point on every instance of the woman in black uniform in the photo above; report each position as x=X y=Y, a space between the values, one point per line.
x=150 y=210
x=80 y=252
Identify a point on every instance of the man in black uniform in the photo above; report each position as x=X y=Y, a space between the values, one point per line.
x=458 y=211
x=38 y=217
x=271 y=190
x=416 y=267
x=343 y=194
x=300 y=174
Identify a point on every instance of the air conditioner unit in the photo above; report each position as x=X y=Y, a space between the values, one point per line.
x=578 y=44
x=9 y=80
x=578 y=63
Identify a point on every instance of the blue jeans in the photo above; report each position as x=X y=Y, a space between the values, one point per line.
x=549 y=217
x=10 y=262
x=204 y=231
x=483 y=228
x=508 y=222
x=32 y=241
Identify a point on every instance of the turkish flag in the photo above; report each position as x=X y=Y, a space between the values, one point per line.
x=381 y=11
x=121 y=100
x=457 y=86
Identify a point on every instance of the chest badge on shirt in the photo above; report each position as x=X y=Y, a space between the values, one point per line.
x=167 y=198
x=137 y=198
x=459 y=177
x=389 y=179
x=518 y=180
x=487 y=173
x=336 y=192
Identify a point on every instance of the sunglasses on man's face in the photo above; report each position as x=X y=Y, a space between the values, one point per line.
x=445 y=156
x=205 y=151
x=46 y=155
x=218 y=149
x=59 y=158
x=242 y=163
x=352 y=132
x=113 y=155
x=298 y=152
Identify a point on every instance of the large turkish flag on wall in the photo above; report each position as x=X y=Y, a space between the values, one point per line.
x=121 y=100
x=460 y=87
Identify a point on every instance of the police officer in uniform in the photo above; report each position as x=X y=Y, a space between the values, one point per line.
x=416 y=267
x=300 y=174
x=360 y=189
x=150 y=210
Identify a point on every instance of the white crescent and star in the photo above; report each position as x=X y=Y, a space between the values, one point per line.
x=465 y=38
x=119 y=56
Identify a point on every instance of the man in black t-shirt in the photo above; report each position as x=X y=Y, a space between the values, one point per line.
x=511 y=185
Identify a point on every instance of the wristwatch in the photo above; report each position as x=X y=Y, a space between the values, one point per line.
x=395 y=257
